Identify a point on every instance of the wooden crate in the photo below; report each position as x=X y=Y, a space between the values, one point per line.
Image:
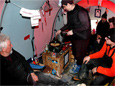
x=60 y=59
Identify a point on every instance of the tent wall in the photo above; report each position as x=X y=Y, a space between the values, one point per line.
x=103 y=3
x=18 y=27
x=43 y=33
x=1 y=6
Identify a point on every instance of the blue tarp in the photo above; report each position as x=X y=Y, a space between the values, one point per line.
x=36 y=66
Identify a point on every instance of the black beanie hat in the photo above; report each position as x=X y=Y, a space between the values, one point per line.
x=64 y=2
x=104 y=15
x=111 y=34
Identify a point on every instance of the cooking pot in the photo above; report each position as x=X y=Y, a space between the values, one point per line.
x=55 y=46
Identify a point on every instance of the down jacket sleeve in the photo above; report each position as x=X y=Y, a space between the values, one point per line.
x=100 y=53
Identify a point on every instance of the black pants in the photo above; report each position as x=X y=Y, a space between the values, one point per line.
x=79 y=48
x=100 y=79
x=45 y=79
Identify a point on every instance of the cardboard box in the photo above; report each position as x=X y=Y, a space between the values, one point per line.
x=58 y=63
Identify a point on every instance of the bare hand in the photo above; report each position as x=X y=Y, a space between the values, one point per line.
x=70 y=32
x=98 y=37
x=58 y=32
x=86 y=59
x=98 y=40
x=94 y=70
x=34 y=76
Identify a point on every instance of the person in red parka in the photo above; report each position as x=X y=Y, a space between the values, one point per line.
x=102 y=62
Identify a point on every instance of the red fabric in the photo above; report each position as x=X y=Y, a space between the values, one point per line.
x=106 y=71
x=27 y=37
x=105 y=3
x=9 y=58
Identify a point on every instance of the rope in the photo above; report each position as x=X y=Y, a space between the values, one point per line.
x=16 y=5
x=54 y=24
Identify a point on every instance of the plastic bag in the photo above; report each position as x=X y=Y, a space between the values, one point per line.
x=83 y=72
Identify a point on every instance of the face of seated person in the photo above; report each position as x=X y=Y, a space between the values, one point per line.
x=109 y=42
x=8 y=49
x=111 y=25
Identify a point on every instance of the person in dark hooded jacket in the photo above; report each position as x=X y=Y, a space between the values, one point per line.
x=78 y=24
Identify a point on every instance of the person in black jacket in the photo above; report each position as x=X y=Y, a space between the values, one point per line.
x=101 y=30
x=78 y=24
x=15 y=70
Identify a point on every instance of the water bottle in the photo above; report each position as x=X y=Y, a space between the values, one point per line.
x=46 y=48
